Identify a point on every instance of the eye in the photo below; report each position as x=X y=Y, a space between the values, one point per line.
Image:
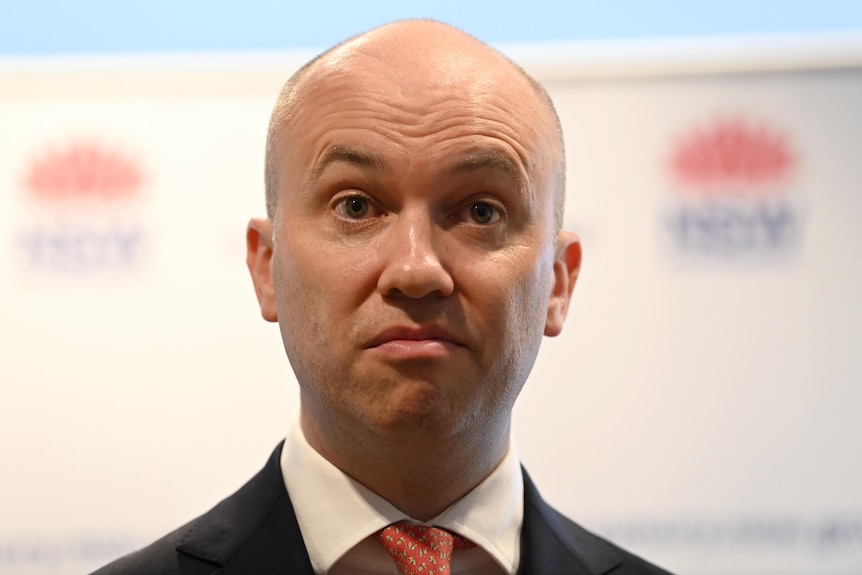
x=354 y=207
x=483 y=213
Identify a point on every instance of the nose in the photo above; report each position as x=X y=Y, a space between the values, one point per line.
x=412 y=265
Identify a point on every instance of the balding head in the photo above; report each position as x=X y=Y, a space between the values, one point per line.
x=413 y=257
x=413 y=56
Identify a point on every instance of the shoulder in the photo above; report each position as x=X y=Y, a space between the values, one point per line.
x=212 y=540
x=596 y=549
x=159 y=557
x=553 y=543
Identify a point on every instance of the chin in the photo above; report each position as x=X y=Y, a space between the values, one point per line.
x=415 y=408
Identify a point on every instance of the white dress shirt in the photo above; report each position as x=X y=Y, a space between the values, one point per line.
x=338 y=516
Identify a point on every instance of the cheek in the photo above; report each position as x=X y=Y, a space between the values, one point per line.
x=299 y=297
x=531 y=312
x=320 y=285
x=515 y=296
x=306 y=321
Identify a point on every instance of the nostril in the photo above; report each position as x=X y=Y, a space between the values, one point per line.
x=416 y=279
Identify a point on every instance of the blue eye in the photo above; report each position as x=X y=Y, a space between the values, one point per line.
x=483 y=213
x=355 y=207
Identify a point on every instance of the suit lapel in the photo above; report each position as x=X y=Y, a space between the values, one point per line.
x=252 y=531
x=553 y=545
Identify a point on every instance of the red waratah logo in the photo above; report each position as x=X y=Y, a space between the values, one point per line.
x=734 y=156
x=83 y=171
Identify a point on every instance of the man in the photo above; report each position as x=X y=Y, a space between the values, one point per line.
x=413 y=257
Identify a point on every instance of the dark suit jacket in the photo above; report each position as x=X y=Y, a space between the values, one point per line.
x=254 y=532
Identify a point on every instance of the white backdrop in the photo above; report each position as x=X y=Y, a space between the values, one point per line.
x=700 y=407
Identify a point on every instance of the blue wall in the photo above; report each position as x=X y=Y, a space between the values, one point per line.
x=100 y=26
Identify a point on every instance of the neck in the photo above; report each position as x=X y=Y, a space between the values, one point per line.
x=420 y=477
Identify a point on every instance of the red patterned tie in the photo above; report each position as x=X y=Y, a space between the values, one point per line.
x=420 y=550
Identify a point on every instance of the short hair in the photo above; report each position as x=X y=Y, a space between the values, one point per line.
x=284 y=107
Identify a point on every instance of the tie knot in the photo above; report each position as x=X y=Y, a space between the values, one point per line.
x=417 y=549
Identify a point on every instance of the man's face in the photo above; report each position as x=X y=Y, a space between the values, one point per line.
x=414 y=266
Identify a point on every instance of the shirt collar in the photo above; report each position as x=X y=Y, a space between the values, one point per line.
x=490 y=515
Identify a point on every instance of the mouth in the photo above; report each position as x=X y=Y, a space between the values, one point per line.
x=415 y=342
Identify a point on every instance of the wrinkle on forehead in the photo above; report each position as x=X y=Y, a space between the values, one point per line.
x=419 y=52
x=423 y=67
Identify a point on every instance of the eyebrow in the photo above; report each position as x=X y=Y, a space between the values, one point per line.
x=343 y=154
x=493 y=159
x=485 y=159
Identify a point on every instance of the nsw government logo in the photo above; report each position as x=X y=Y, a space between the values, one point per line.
x=734 y=196
x=82 y=211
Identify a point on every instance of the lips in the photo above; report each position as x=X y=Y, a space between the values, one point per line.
x=414 y=336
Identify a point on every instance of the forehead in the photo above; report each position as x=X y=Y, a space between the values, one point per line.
x=430 y=98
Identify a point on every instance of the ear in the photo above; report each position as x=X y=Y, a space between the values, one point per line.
x=258 y=257
x=567 y=264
